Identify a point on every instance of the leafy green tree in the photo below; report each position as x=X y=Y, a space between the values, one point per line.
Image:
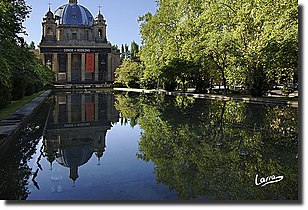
x=128 y=73
x=114 y=47
x=127 y=52
x=12 y=15
x=21 y=73
x=32 y=45
x=253 y=43
x=122 y=52
x=134 y=50
x=260 y=24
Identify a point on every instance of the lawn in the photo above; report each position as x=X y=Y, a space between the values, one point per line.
x=15 y=105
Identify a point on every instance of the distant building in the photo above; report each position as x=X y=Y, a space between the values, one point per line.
x=75 y=46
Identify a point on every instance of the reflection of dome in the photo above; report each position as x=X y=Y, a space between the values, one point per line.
x=75 y=156
x=74 y=14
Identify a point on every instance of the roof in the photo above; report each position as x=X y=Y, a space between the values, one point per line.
x=74 y=14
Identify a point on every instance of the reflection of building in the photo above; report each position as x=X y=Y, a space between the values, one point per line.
x=77 y=128
x=75 y=45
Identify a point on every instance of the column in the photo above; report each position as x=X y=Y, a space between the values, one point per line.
x=96 y=67
x=109 y=70
x=55 y=64
x=83 y=107
x=96 y=107
x=69 y=108
x=56 y=111
x=83 y=67
x=69 y=67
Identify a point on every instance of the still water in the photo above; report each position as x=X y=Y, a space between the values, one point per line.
x=127 y=146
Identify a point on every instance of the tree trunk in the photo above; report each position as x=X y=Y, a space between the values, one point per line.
x=224 y=80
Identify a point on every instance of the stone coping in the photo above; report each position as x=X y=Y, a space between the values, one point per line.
x=11 y=124
x=218 y=97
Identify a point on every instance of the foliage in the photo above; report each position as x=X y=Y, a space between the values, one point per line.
x=253 y=43
x=114 y=47
x=128 y=73
x=134 y=50
x=32 y=45
x=21 y=72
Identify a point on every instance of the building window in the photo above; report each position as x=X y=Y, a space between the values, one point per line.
x=49 y=31
x=100 y=33
x=74 y=35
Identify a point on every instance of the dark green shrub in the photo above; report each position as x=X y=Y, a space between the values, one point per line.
x=5 y=96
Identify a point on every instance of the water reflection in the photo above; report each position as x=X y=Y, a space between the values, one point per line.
x=198 y=149
x=213 y=149
x=77 y=129
x=15 y=172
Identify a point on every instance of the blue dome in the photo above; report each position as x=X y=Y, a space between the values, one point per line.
x=75 y=156
x=74 y=14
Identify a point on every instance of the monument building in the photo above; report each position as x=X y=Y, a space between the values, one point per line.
x=74 y=45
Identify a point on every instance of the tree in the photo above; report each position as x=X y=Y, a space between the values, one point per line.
x=32 y=45
x=253 y=43
x=122 y=52
x=21 y=72
x=128 y=73
x=12 y=15
x=262 y=32
x=134 y=50
x=115 y=47
x=127 y=52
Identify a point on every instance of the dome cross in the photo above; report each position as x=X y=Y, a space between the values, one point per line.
x=49 y=4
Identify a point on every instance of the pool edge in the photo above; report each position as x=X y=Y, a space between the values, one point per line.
x=11 y=125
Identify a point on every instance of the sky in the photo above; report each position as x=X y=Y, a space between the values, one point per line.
x=121 y=17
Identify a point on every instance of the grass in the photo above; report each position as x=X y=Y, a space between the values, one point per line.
x=15 y=105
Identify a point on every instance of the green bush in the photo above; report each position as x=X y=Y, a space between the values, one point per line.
x=18 y=87
x=30 y=89
x=5 y=96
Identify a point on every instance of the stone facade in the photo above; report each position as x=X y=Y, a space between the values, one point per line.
x=75 y=46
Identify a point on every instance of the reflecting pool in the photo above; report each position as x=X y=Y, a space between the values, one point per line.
x=129 y=146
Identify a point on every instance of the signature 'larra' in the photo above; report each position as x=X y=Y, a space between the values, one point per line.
x=267 y=180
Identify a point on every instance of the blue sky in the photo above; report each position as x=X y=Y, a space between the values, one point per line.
x=121 y=16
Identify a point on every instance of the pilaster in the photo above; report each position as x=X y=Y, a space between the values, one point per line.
x=96 y=67
x=69 y=67
x=83 y=67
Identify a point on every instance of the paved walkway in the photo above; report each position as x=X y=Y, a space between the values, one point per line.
x=10 y=125
x=273 y=100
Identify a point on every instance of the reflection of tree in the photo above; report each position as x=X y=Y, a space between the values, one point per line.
x=14 y=170
x=128 y=107
x=215 y=149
